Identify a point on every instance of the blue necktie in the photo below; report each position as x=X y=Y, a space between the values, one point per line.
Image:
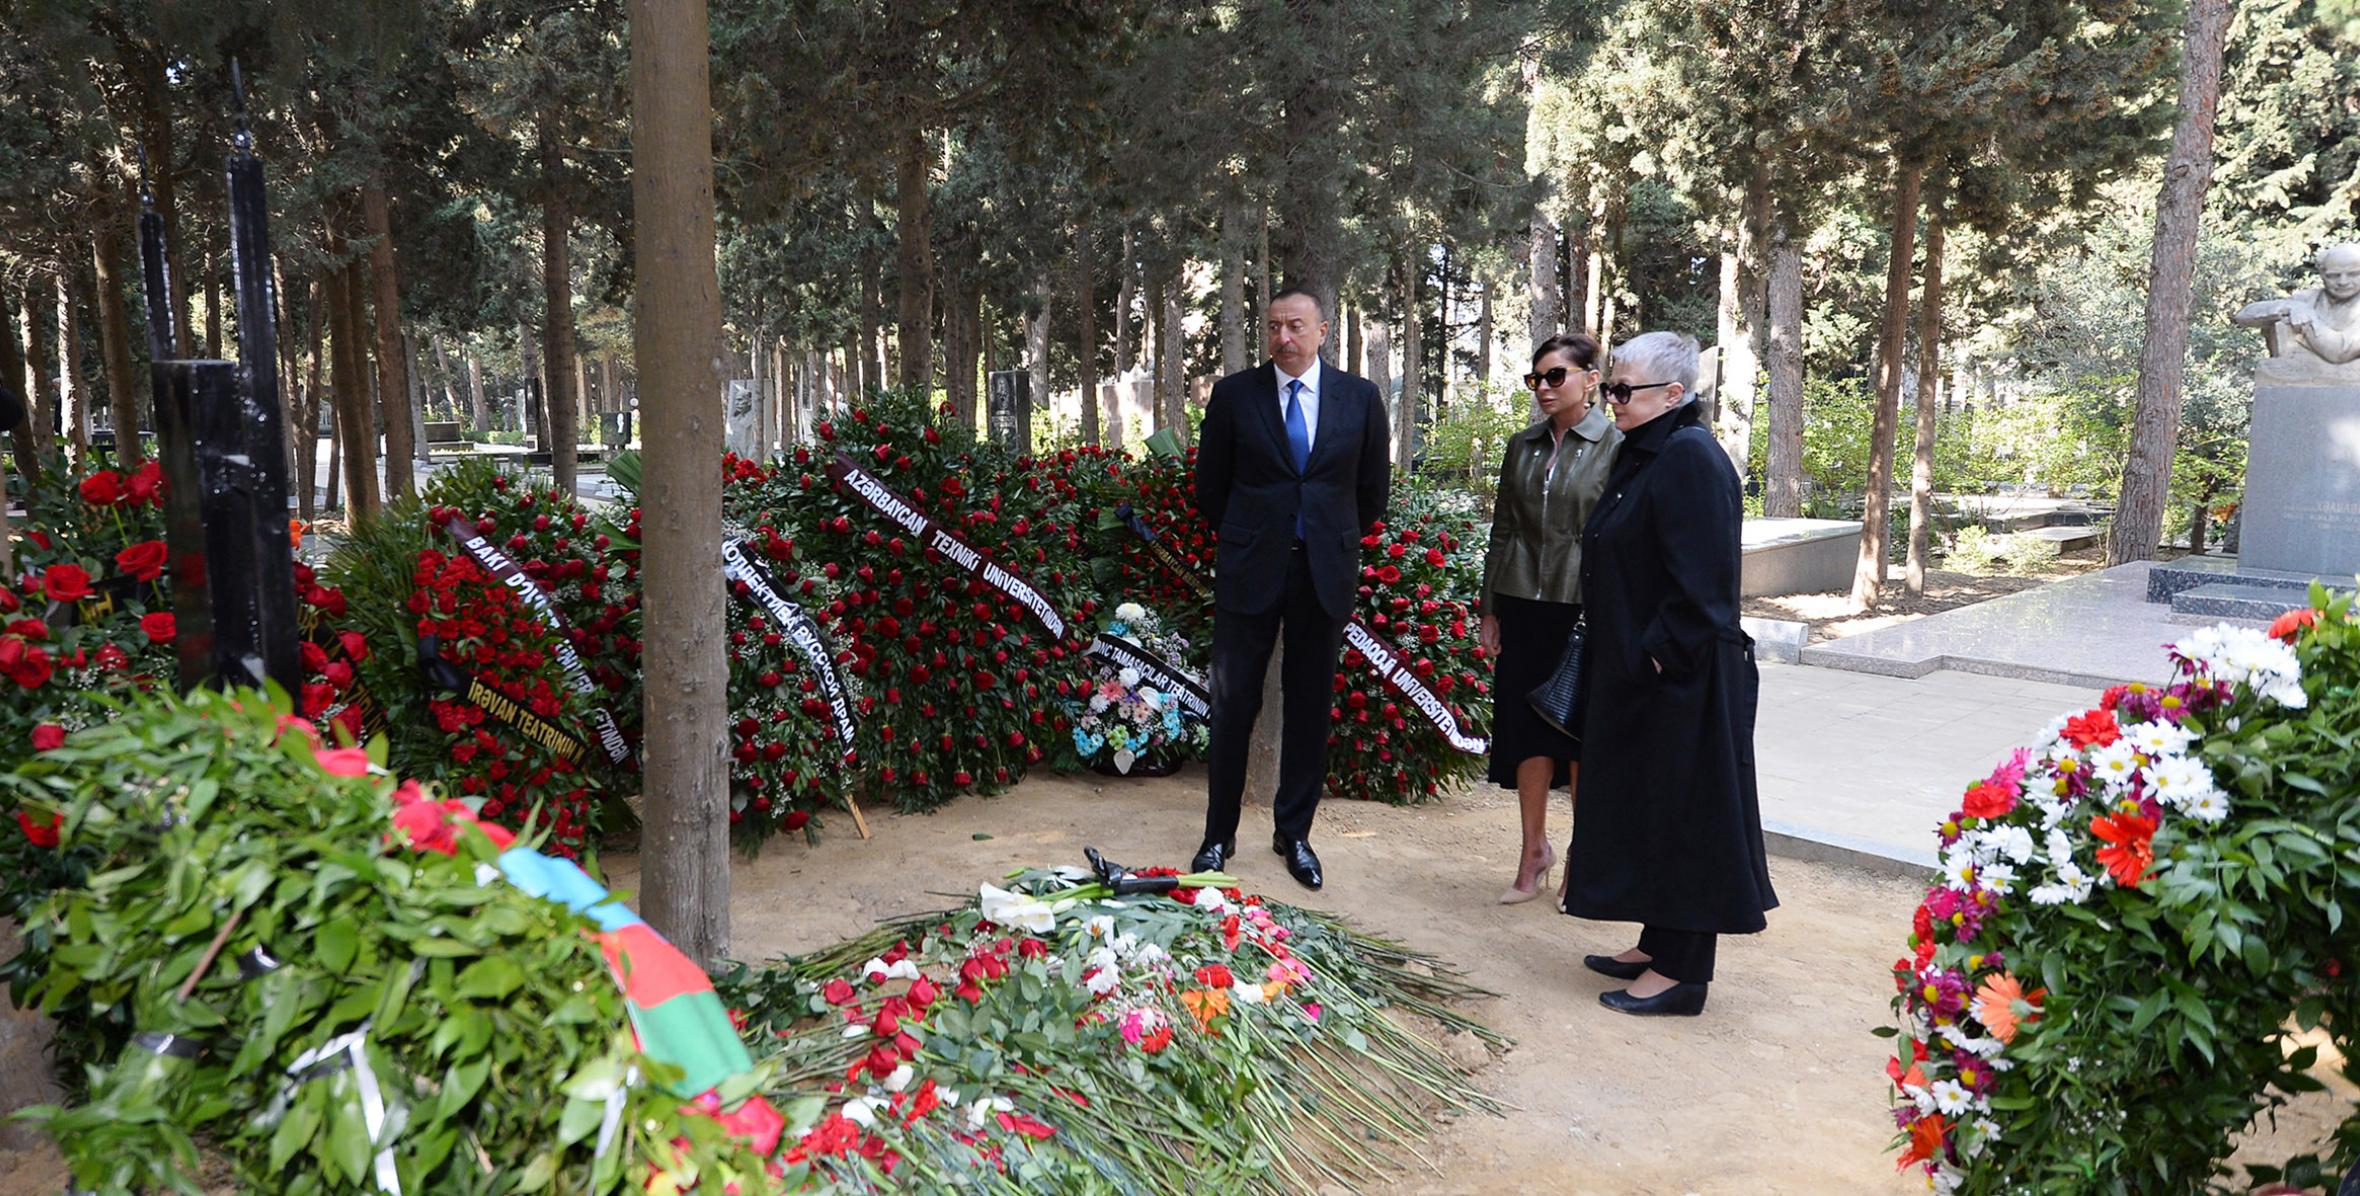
x=1298 y=439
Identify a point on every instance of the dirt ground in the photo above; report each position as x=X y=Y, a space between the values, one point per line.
x=1779 y=1088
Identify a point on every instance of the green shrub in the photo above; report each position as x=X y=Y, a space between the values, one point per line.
x=2028 y=554
x=1972 y=550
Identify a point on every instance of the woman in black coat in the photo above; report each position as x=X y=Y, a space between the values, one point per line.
x=1670 y=833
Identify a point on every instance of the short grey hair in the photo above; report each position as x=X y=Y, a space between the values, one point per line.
x=1662 y=357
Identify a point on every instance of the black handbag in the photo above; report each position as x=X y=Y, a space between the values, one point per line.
x=1555 y=699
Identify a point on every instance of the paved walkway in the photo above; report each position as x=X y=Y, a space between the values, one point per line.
x=1857 y=767
x=2094 y=630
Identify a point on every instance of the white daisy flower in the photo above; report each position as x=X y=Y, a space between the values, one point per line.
x=1958 y=869
x=2159 y=738
x=1952 y=1098
x=1999 y=878
x=2115 y=763
x=2209 y=806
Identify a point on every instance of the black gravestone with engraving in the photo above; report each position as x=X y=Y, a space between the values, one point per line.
x=1008 y=409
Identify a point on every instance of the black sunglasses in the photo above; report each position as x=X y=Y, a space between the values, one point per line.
x=1555 y=377
x=1619 y=393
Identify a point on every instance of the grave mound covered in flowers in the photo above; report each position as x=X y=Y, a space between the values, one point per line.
x=2144 y=928
x=274 y=952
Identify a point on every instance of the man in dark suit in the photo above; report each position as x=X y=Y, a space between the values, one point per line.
x=1292 y=467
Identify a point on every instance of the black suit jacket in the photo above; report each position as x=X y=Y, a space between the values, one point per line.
x=1248 y=489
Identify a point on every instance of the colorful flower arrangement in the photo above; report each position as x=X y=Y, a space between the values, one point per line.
x=2098 y=988
x=1073 y=1032
x=1121 y=721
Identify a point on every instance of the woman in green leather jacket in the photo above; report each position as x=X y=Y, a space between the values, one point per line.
x=1550 y=479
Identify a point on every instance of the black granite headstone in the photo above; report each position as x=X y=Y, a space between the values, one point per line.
x=1008 y=409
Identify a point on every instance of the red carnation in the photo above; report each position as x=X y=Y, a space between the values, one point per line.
x=1987 y=800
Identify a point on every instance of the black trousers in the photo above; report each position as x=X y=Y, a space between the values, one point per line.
x=1307 y=679
x=1683 y=955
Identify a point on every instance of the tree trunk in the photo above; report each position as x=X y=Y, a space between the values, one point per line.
x=479 y=409
x=2163 y=352
x=1483 y=332
x=1921 y=469
x=152 y=83
x=41 y=360
x=557 y=316
x=1263 y=291
x=212 y=307
x=872 y=286
x=1356 y=351
x=70 y=294
x=676 y=342
x=1233 y=290
x=914 y=262
x=1380 y=358
x=1405 y=416
x=1126 y=293
x=958 y=344
x=1150 y=336
x=450 y=379
x=307 y=424
x=856 y=379
x=1782 y=492
x=1036 y=339
x=1086 y=345
x=1174 y=346
x=114 y=340
x=26 y=446
x=356 y=437
x=1868 y=578
x=393 y=376
x=1541 y=286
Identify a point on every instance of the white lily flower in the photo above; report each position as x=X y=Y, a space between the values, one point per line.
x=1017 y=910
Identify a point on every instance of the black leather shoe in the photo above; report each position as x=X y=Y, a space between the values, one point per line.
x=1680 y=1000
x=1301 y=864
x=1210 y=856
x=1607 y=965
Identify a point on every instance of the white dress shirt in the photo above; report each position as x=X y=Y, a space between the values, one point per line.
x=1309 y=399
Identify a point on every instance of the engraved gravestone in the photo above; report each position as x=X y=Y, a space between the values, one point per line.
x=1008 y=409
x=2301 y=511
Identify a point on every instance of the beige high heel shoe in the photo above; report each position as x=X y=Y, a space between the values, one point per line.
x=1540 y=882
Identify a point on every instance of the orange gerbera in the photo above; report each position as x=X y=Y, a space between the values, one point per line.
x=1996 y=1001
x=2133 y=852
x=2290 y=624
x=1925 y=1139
x=1206 y=1004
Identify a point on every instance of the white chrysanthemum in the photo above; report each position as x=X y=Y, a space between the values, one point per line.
x=1103 y=981
x=2209 y=806
x=2250 y=657
x=1149 y=953
x=2115 y=763
x=2160 y=738
x=1130 y=612
x=2181 y=781
x=2055 y=730
x=1952 y=1097
x=2011 y=841
x=1129 y=677
x=2072 y=886
x=1980 y=1047
x=1097 y=703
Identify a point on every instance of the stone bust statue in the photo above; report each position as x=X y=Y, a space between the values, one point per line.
x=2314 y=335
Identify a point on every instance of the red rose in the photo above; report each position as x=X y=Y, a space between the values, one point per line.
x=795 y=819
x=42 y=835
x=23 y=663
x=159 y=627
x=48 y=736
x=66 y=583
x=356 y=647
x=103 y=489
x=32 y=629
x=144 y=560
